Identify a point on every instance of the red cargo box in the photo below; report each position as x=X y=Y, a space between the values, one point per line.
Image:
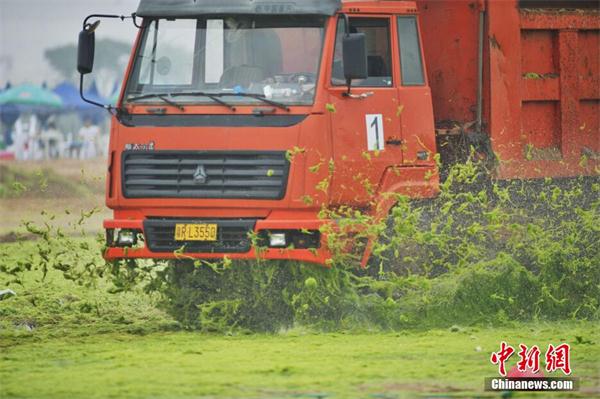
x=541 y=91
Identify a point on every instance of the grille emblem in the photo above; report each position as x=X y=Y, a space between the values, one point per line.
x=200 y=176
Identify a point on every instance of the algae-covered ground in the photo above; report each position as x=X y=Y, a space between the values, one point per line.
x=62 y=340
x=292 y=364
x=521 y=266
x=63 y=188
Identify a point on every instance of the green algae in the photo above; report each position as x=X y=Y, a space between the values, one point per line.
x=292 y=364
x=519 y=264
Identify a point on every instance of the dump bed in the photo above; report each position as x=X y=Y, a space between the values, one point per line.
x=541 y=79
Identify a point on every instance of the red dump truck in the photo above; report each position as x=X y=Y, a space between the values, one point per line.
x=241 y=120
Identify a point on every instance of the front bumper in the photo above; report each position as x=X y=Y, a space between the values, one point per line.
x=151 y=249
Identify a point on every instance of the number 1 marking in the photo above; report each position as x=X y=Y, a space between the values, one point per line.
x=375 y=124
x=375 y=133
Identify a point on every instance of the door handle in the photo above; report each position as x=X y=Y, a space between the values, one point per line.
x=360 y=96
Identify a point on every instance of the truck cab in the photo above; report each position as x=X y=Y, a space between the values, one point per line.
x=240 y=122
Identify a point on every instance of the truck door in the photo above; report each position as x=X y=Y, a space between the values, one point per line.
x=414 y=96
x=365 y=127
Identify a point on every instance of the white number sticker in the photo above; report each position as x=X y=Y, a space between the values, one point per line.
x=375 y=136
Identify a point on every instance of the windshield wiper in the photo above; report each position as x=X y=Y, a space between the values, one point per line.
x=212 y=96
x=163 y=96
x=259 y=97
x=171 y=102
x=215 y=97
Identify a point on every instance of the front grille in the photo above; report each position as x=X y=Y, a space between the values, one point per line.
x=232 y=236
x=204 y=174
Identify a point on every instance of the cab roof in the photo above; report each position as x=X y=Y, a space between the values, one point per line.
x=193 y=8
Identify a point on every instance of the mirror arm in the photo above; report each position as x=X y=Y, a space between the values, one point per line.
x=105 y=106
x=347 y=27
x=117 y=112
x=349 y=92
x=114 y=111
x=347 y=31
x=140 y=26
x=113 y=16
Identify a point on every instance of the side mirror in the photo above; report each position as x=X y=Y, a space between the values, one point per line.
x=355 y=56
x=85 y=50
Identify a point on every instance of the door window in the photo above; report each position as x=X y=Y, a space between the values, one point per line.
x=411 y=60
x=377 y=32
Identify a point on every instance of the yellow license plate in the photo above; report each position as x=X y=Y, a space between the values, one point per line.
x=196 y=232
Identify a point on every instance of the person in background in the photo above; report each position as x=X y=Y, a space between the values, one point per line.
x=51 y=140
x=89 y=134
x=68 y=124
x=25 y=137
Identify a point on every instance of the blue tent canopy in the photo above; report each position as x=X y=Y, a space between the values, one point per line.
x=28 y=98
x=72 y=101
x=70 y=96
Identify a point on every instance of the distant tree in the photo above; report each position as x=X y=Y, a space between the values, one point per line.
x=109 y=64
x=108 y=51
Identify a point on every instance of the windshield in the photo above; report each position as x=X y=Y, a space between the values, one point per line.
x=274 y=57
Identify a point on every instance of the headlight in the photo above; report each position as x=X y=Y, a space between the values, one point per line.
x=127 y=238
x=277 y=240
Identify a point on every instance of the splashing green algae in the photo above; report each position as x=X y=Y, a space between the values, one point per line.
x=517 y=262
x=480 y=253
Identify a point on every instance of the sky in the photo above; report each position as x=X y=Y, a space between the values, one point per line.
x=29 y=27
